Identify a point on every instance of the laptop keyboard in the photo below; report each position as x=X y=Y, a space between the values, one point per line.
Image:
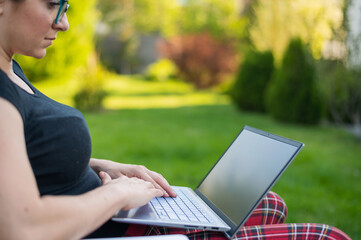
x=180 y=208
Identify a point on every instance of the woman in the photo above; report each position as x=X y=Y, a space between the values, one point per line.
x=50 y=186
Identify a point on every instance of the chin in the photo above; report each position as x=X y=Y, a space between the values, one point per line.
x=36 y=54
x=39 y=55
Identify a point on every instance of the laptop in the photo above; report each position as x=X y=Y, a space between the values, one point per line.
x=231 y=190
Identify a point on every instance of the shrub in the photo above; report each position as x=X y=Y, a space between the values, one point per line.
x=342 y=94
x=292 y=95
x=91 y=94
x=200 y=59
x=89 y=99
x=252 y=79
x=161 y=70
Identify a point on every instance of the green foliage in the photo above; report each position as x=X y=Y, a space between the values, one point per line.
x=252 y=80
x=71 y=49
x=127 y=20
x=89 y=99
x=218 y=17
x=91 y=95
x=292 y=95
x=341 y=88
x=135 y=16
x=162 y=70
x=170 y=18
x=277 y=22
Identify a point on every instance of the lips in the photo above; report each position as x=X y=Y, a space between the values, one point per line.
x=49 y=41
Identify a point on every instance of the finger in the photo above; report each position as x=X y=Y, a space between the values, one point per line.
x=158 y=192
x=155 y=192
x=163 y=183
x=148 y=178
x=104 y=177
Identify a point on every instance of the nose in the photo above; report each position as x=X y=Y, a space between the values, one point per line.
x=63 y=25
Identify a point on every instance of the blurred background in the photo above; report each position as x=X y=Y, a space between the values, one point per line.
x=169 y=84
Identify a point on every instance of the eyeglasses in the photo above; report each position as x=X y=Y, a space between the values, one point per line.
x=63 y=7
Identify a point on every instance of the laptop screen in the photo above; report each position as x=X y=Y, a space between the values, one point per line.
x=244 y=173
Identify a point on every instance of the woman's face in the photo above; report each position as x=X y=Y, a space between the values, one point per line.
x=28 y=28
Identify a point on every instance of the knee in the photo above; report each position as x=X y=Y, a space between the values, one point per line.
x=271 y=210
x=276 y=207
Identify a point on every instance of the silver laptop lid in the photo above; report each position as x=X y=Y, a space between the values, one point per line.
x=244 y=174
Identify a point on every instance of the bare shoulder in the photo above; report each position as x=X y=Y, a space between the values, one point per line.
x=14 y=160
x=12 y=139
x=18 y=189
x=11 y=128
x=10 y=115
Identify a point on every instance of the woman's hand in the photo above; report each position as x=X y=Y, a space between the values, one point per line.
x=116 y=170
x=137 y=192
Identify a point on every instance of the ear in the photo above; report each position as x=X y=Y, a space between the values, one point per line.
x=2 y=2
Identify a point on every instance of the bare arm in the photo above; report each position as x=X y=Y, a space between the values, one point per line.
x=25 y=214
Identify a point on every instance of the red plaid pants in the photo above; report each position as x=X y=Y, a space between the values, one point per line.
x=266 y=223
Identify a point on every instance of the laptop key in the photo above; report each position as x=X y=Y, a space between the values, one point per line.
x=179 y=208
x=182 y=217
x=202 y=219
x=173 y=216
x=193 y=219
x=163 y=217
x=162 y=213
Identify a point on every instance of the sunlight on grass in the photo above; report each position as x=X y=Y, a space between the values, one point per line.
x=137 y=85
x=159 y=101
x=133 y=92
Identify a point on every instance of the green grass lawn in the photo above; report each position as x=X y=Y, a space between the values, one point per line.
x=182 y=142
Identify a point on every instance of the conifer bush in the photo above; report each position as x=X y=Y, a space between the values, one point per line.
x=292 y=95
x=252 y=79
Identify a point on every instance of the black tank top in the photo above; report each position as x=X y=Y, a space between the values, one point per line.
x=57 y=139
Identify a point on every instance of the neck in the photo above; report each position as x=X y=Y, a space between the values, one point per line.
x=6 y=61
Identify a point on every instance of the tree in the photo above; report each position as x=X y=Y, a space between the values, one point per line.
x=128 y=20
x=341 y=79
x=219 y=18
x=201 y=59
x=136 y=16
x=252 y=80
x=293 y=95
x=278 y=21
x=125 y=21
x=170 y=18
